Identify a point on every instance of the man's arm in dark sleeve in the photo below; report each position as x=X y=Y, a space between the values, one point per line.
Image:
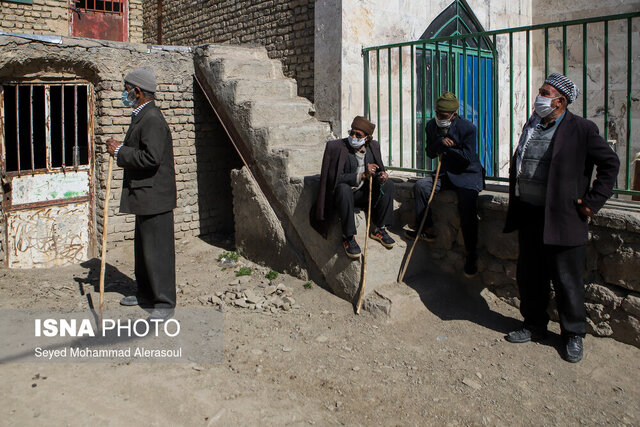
x=462 y=152
x=607 y=167
x=350 y=178
x=153 y=145
x=434 y=144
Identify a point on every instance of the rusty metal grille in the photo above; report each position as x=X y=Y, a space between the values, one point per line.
x=44 y=127
x=100 y=6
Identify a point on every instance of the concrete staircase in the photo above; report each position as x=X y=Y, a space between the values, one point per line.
x=282 y=145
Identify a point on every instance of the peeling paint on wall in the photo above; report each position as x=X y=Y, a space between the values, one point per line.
x=45 y=187
x=48 y=236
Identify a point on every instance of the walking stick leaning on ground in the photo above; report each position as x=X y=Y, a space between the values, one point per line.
x=424 y=218
x=366 y=245
x=105 y=219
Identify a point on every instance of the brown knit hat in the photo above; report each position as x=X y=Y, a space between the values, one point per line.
x=447 y=103
x=363 y=124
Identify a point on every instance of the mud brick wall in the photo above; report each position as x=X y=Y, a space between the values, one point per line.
x=51 y=17
x=285 y=28
x=203 y=154
x=612 y=276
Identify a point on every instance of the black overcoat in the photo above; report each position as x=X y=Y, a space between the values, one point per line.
x=460 y=162
x=335 y=169
x=577 y=148
x=149 y=182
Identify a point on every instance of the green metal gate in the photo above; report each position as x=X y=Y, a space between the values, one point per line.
x=495 y=74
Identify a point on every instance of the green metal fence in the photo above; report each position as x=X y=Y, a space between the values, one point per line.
x=496 y=74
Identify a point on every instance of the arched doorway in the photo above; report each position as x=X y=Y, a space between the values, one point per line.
x=464 y=67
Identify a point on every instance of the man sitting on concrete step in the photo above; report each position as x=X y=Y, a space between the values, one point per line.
x=453 y=138
x=344 y=184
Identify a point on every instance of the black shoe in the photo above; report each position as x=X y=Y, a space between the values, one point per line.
x=471 y=266
x=132 y=300
x=161 y=314
x=381 y=235
x=351 y=247
x=573 y=349
x=428 y=236
x=525 y=335
x=129 y=301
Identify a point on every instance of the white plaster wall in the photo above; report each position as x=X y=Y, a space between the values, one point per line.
x=553 y=11
x=328 y=61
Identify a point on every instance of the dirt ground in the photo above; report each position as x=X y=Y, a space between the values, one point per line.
x=444 y=361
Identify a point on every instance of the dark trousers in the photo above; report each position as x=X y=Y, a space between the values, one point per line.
x=381 y=204
x=467 y=207
x=155 y=265
x=538 y=266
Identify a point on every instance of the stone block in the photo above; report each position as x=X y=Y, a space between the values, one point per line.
x=498 y=244
x=621 y=268
x=605 y=242
x=602 y=329
x=631 y=304
x=605 y=295
x=626 y=328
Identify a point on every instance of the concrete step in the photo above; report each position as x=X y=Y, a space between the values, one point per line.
x=383 y=265
x=312 y=133
x=264 y=113
x=246 y=68
x=236 y=51
x=244 y=89
x=302 y=159
x=395 y=300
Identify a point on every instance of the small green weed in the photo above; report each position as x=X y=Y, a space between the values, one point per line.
x=232 y=256
x=271 y=275
x=244 y=271
x=308 y=285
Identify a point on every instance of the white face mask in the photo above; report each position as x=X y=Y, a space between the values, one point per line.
x=128 y=98
x=446 y=123
x=542 y=106
x=356 y=142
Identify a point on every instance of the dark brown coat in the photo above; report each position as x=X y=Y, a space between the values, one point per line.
x=332 y=172
x=577 y=148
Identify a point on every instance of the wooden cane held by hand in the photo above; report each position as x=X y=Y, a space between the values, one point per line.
x=424 y=218
x=366 y=245
x=105 y=219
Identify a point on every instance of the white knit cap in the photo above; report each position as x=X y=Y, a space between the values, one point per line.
x=565 y=86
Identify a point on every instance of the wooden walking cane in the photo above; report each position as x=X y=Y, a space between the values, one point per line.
x=104 y=232
x=366 y=245
x=424 y=218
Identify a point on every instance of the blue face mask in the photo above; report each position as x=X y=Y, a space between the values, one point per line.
x=128 y=98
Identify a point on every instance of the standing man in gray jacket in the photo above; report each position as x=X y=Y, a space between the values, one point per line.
x=149 y=192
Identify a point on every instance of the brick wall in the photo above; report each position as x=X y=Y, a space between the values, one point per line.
x=203 y=154
x=50 y=17
x=135 y=21
x=41 y=17
x=285 y=28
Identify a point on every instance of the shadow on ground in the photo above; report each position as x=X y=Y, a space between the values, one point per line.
x=114 y=279
x=454 y=297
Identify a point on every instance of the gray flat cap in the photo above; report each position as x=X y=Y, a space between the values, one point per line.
x=143 y=77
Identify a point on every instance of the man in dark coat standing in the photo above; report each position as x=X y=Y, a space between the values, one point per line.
x=149 y=192
x=550 y=203
x=344 y=183
x=453 y=139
